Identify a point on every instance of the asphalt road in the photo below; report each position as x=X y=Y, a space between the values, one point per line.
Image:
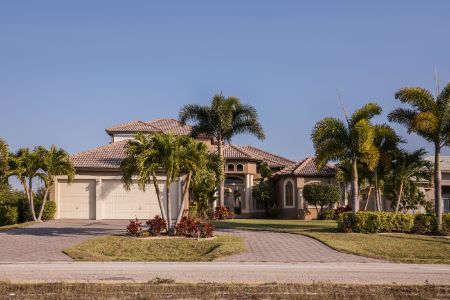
x=352 y=273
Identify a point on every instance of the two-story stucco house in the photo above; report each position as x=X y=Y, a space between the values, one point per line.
x=98 y=193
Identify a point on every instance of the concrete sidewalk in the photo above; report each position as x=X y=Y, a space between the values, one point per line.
x=351 y=273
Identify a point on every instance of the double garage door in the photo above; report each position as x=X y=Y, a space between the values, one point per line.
x=78 y=200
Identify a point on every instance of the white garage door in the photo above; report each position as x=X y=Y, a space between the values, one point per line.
x=119 y=203
x=76 y=200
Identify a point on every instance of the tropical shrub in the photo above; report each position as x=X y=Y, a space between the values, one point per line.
x=340 y=210
x=8 y=215
x=446 y=223
x=221 y=213
x=187 y=227
x=156 y=225
x=321 y=194
x=374 y=222
x=207 y=230
x=135 y=227
x=328 y=215
x=424 y=223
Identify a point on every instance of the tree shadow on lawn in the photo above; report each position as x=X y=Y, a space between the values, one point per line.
x=291 y=228
x=416 y=237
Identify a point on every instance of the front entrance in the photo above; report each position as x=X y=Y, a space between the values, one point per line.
x=234 y=194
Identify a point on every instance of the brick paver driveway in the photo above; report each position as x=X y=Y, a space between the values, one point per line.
x=286 y=247
x=46 y=241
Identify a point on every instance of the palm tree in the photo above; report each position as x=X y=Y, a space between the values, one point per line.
x=146 y=170
x=26 y=165
x=177 y=155
x=223 y=119
x=4 y=153
x=352 y=139
x=409 y=167
x=429 y=117
x=386 y=140
x=54 y=162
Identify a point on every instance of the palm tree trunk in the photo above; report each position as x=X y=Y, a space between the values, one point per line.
x=30 y=198
x=44 y=201
x=399 y=196
x=377 y=191
x=184 y=195
x=355 y=198
x=368 y=198
x=158 y=195
x=169 y=208
x=222 y=183
x=438 y=203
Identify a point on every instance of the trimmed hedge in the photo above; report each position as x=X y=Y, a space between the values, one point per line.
x=375 y=222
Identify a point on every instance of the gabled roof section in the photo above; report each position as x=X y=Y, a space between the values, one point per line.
x=104 y=157
x=307 y=167
x=273 y=160
x=231 y=151
x=158 y=125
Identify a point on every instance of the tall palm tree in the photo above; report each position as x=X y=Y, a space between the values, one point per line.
x=222 y=119
x=409 y=167
x=54 y=162
x=25 y=165
x=4 y=153
x=352 y=139
x=386 y=140
x=429 y=117
x=176 y=155
x=146 y=170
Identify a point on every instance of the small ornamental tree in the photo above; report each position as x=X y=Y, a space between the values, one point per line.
x=321 y=194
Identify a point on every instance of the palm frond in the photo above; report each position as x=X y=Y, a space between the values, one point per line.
x=367 y=112
x=418 y=97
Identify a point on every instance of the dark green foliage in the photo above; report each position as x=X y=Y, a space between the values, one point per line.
x=321 y=194
x=446 y=223
x=425 y=224
x=8 y=214
x=262 y=192
x=375 y=222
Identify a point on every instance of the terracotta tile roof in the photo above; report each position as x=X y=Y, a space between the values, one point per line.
x=104 y=157
x=307 y=167
x=157 y=125
x=111 y=155
x=273 y=160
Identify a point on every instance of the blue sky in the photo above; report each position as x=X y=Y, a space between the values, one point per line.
x=70 y=69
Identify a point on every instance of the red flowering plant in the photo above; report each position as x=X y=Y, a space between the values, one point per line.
x=221 y=213
x=207 y=230
x=135 y=227
x=187 y=227
x=156 y=225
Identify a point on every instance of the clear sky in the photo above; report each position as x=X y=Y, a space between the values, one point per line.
x=69 y=69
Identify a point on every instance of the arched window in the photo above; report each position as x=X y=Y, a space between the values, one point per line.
x=240 y=168
x=289 y=193
x=230 y=168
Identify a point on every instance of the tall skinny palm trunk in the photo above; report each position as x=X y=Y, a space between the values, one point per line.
x=185 y=197
x=355 y=197
x=169 y=209
x=158 y=195
x=44 y=202
x=222 y=183
x=399 y=197
x=438 y=203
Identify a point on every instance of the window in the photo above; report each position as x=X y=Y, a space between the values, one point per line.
x=289 y=193
x=230 y=168
x=240 y=168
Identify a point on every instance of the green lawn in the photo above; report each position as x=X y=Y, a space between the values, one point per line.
x=9 y=227
x=166 y=289
x=396 y=247
x=125 y=248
